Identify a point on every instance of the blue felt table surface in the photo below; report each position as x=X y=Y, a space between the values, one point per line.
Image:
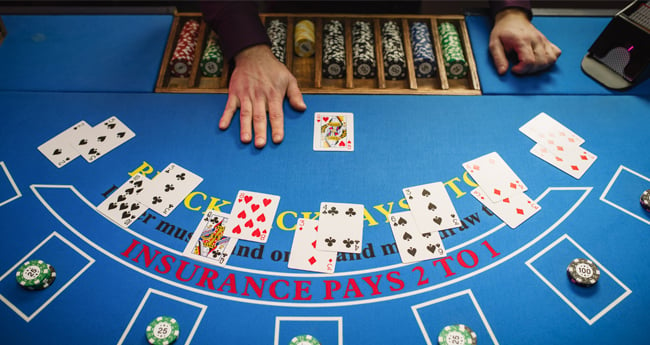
x=574 y=36
x=82 y=52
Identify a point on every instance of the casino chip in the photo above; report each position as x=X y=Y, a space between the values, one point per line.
x=645 y=200
x=35 y=275
x=304 y=339
x=183 y=56
x=457 y=335
x=583 y=272
x=452 y=51
x=164 y=330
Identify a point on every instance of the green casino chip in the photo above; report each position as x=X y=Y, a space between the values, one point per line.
x=164 y=330
x=35 y=275
x=457 y=335
x=304 y=339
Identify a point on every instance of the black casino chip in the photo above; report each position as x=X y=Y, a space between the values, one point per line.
x=583 y=272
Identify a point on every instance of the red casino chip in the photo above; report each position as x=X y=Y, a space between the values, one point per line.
x=183 y=56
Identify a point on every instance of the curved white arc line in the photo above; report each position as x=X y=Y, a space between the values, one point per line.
x=587 y=190
x=293 y=275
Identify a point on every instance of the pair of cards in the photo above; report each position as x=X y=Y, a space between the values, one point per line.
x=558 y=145
x=87 y=141
x=500 y=189
x=416 y=231
x=316 y=244
x=333 y=132
x=162 y=194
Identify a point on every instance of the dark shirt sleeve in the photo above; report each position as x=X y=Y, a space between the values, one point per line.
x=498 y=5
x=237 y=23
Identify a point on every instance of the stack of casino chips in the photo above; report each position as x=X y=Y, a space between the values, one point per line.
x=183 y=56
x=645 y=200
x=333 y=50
x=583 y=272
x=393 y=50
x=363 y=50
x=212 y=60
x=424 y=60
x=304 y=38
x=277 y=32
x=452 y=51
x=458 y=334
x=35 y=275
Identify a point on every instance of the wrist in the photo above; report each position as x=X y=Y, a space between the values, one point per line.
x=511 y=12
x=252 y=52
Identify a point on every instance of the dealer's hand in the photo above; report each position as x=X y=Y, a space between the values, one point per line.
x=513 y=31
x=258 y=86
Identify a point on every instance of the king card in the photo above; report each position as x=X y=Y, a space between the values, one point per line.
x=122 y=205
x=252 y=216
x=304 y=255
x=431 y=207
x=412 y=244
x=60 y=150
x=169 y=188
x=208 y=244
x=512 y=210
x=333 y=132
x=340 y=227
x=494 y=176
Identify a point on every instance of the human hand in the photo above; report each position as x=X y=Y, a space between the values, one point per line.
x=258 y=85
x=513 y=31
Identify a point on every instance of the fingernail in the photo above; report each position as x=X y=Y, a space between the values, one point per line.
x=259 y=142
x=277 y=138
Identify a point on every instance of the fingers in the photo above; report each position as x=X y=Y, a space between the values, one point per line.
x=259 y=122
x=498 y=55
x=276 y=118
x=527 y=59
x=295 y=96
x=229 y=112
x=246 y=119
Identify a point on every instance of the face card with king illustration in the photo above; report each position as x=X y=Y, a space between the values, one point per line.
x=208 y=244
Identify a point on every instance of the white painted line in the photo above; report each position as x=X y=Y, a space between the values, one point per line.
x=616 y=206
x=13 y=184
x=278 y=319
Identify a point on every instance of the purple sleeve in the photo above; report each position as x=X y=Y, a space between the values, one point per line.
x=498 y=5
x=237 y=23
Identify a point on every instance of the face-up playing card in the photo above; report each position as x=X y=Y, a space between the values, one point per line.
x=512 y=210
x=431 y=207
x=545 y=128
x=494 y=176
x=169 y=188
x=304 y=255
x=340 y=227
x=572 y=160
x=122 y=206
x=59 y=150
x=333 y=132
x=208 y=244
x=252 y=216
x=412 y=244
x=102 y=138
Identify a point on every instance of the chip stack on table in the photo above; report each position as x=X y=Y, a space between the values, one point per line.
x=457 y=335
x=35 y=275
x=277 y=32
x=394 y=58
x=583 y=272
x=424 y=59
x=183 y=56
x=163 y=330
x=363 y=50
x=333 y=50
x=645 y=200
x=304 y=38
x=452 y=51
x=212 y=60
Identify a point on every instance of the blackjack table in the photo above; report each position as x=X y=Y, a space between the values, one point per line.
x=509 y=285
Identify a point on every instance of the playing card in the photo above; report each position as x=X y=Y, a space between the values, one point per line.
x=169 y=188
x=431 y=207
x=412 y=244
x=572 y=160
x=494 y=176
x=512 y=210
x=252 y=216
x=333 y=132
x=304 y=255
x=543 y=128
x=59 y=149
x=340 y=227
x=102 y=138
x=122 y=206
x=208 y=244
